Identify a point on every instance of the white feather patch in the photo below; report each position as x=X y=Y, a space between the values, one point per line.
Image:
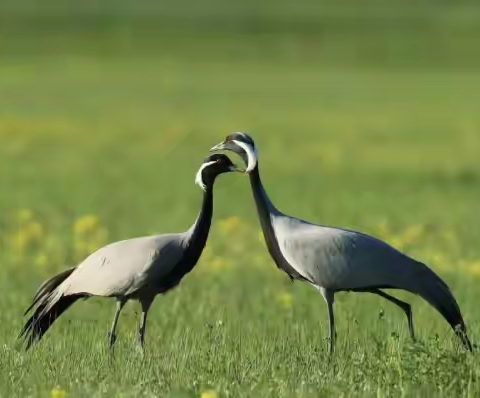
x=252 y=155
x=198 y=177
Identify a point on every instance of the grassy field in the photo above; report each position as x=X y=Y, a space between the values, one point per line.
x=366 y=118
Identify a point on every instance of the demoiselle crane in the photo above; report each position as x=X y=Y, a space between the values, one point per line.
x=136 y=269
x=335 y=260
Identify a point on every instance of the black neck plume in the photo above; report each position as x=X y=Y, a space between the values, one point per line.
x=198 y=233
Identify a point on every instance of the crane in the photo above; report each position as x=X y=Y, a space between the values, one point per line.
x=133 y=269
x=334 y=260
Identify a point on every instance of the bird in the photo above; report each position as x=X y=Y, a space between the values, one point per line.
x=133 y=269
x=334 y=260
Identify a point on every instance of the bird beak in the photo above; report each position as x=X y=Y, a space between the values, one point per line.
x=218 y=147
x=233 y=168
x=229 y=146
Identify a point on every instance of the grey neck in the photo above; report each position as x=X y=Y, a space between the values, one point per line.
x=265 y=209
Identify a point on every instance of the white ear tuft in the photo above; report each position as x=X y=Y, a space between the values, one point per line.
x=252 y=154
x=198 y=177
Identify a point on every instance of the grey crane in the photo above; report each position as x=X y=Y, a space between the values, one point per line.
x=334 y=260
x=136 y=269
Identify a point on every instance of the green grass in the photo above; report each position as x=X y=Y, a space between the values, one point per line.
x=365 y=119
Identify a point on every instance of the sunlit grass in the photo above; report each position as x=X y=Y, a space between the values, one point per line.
x=96 y=147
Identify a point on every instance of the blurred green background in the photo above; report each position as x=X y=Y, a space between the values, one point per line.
x=366 y=117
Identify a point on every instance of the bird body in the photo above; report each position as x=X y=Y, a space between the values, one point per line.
x=339 y=259
x=138 y=268
x=329 y=257
x=335 y=259
x=126 y=267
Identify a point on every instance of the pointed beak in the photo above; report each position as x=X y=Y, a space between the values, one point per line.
x=218 y=147
x=229 y=146
x=240 y=170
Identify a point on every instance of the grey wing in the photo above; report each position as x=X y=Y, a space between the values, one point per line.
x=122 y=268
x=339 y=259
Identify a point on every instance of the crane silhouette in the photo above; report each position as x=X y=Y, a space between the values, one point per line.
x=137 y=269
x=334 y=260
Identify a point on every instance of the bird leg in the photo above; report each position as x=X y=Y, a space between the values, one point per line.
x=333 y=333
x=111 y=334
x=403 y=305
x=143 y=320
x=328 y=295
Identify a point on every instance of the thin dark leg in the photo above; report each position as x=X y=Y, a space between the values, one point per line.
x=328 y=295
x=333 y=333
x=143 y=320
x=403 y=305
x=111 y=334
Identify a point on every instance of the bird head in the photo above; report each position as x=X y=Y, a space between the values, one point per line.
x=213 y=166
x=242 y=144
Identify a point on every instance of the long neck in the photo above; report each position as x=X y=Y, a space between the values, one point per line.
x=197 y=235
x=265 y=208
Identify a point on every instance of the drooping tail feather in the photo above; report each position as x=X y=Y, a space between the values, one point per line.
x=48 y=287
x=43 y=317
x=50 y=306
x=434 y=290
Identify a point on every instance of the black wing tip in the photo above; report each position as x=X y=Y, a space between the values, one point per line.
x=28 y=333
x=41 y=320
x=461 y=332
x=33 y=329
x=28 y=309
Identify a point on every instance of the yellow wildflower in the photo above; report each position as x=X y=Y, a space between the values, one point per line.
x=89 y=235
x=86 y=225
x=229 y=225
x=474 y=268
x=57 y=392
x=209 y=394
x=28 y=235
